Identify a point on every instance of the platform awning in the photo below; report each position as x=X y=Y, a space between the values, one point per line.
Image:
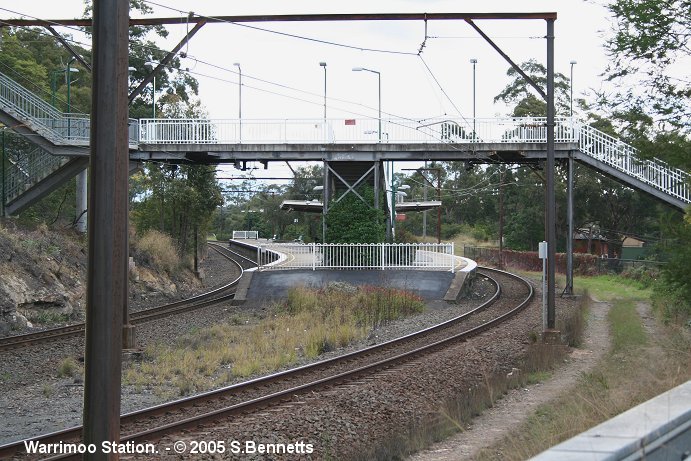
x=314 y=206
x=309 y=206
x=403 y=207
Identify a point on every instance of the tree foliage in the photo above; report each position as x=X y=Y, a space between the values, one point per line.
x=353 y=221
x=521 y=93
x=649 y=42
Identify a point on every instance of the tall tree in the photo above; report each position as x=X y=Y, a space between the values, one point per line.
x=649 y=43
x=524 y=96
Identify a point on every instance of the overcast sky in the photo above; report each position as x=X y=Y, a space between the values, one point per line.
x=408 y=87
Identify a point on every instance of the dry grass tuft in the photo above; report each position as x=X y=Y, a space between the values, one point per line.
x=160 y=249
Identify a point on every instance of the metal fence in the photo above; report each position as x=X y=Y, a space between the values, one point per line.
x=246 y=235
x=583 y=263
x=422 y=256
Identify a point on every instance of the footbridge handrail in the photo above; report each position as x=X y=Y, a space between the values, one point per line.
x=61 y=128
x=357 y=130
x=623 y=157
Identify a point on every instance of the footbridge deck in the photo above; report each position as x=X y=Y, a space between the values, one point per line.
x=509 y=140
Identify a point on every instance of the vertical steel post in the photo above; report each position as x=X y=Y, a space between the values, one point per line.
x=439 y=209
x=325 y=198
x=376 y=184
x=551 y=203
x=4 y=178
x=106 y=282
x=424 y=213
x=569 y=238
x=81 y=199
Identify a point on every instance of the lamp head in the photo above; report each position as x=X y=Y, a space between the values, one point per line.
x=573 y=62
x=357 y=69
x=473 y=61
x=323 y=64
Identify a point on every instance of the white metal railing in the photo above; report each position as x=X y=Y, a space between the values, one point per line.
x=251 y=131
x=58 y=127
x=245 y=235
x=623 y=157
x=428 y=256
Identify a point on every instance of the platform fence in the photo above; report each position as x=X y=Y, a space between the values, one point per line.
x=357 y=256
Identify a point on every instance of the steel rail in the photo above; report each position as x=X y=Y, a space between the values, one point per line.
x=261 y=402
x=195 y=302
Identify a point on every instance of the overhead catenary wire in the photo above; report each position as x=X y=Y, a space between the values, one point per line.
x=285 y=34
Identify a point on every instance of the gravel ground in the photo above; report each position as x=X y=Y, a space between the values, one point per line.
x=36 y=401
x=368 y=418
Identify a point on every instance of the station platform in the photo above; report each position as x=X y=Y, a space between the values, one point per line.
x=294 y=268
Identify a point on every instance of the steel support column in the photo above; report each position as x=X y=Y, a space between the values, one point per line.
x=325 y=199
x=377 y=185
x=568 y=290
x=106 y=281
x=551 y=203
x=81 y=194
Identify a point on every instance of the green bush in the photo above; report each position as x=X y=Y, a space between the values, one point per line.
x=353 y=221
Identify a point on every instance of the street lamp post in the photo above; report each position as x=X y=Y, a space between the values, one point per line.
x=323 y=64
x=473 y=61
x=359 y=69
x=237 y=64
x=571 y=85
x=153 y=89
x=68 y=77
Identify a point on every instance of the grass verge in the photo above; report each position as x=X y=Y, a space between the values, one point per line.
x=311 y=322
x=637 y=368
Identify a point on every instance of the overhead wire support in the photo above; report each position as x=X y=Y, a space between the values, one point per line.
x=424 y=42
x=67 y=45
x=165 y=61
x=508 y=59
x=86 y=22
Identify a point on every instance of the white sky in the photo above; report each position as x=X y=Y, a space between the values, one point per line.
x=407 y=88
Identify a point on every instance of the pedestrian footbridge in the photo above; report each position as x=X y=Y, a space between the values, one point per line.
x=55 y=145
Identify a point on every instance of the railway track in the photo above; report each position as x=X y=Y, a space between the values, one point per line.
x=222 y=293
x=512 y=294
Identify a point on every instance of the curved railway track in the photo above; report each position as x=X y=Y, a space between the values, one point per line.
x=512 y=295
x=222 y=293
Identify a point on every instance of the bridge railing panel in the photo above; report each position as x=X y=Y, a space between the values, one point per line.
x=277 y=131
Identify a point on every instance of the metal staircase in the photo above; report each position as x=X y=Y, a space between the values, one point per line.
x=621 y=161
x=53 y=146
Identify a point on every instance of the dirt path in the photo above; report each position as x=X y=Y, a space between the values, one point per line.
x=518 y=404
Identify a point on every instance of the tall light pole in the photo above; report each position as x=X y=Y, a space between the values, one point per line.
x=473 y=61
x=323 y=64
x=68 y=77
x=153 y=89
x=359 y=69
x=237 y=64
x=571 y=85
